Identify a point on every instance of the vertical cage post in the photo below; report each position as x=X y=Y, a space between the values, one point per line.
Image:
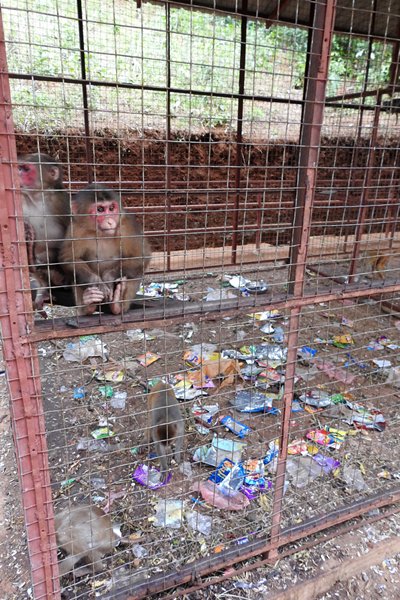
x=312 y=117
x=22 y=362
x=168 y=132
x=321 y=31
x=366 y=188
x=239 y=132
x=89 y=149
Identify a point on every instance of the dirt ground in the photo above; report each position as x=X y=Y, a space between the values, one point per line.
x=100 y=471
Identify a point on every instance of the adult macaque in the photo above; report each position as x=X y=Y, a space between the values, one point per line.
x=104 y=251
x=45 y=207
x=167 y=426
x=85 y=534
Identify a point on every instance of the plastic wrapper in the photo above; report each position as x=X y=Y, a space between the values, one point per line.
x=150 y=477
x=353 y=478
x=87 y=346
x=219 y=450
x=302 y=470
x=328 y=463
x=316 y=398
x=253 y=402
x=213 y=495
x=169 y=513
x=234 y=426
x=199 y=522
x=199 y=353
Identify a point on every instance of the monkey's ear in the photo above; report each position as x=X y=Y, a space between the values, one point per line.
x=54 y=173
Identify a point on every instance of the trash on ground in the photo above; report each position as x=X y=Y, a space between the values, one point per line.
x=79 y=393
x=365 y=418
x=147 y=359
x=102 y=433
x=199 y=522
x=382 y=363
x=205 y=413
x=150 y=477
x=393 y=377
x=118 y=400
x=86 y=347
x=328 y=463
x=138 y=551
x=112 y=375
x=253 y=401
x=317 y=398
x=106 y=391
x=335 y=372
x=302 y=470
x=220 y=449
x=218 y=295
x=234 y=426
x=353 y=478
x=213 y=495
x=342 y=341
x=266 y=315
x=306 y=353
x=200 y=353
x=169 y=513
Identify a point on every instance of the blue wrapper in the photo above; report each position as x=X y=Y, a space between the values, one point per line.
x=236 y=427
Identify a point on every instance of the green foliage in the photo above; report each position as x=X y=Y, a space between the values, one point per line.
x=127 y=45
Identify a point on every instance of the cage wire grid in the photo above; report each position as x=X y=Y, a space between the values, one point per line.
x=259 y=152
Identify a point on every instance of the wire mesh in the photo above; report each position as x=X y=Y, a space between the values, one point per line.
x=258 y=156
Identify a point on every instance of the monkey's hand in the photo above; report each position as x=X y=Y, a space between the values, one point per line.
x=93 y=296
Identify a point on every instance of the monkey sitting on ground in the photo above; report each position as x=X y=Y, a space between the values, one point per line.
x=46 y=211
x=104 y=251
x=85 y=534
x=167 y=426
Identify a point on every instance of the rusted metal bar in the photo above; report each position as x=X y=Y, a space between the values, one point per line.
x=274 y=15
x=150 y=88
x=239 y=132
x=168 y=153
x=321 y=28
x=82 y=57
x=22 y=362
x=335 y=532
x=235 y=554
x=66 y=328
x=316 y=80
x=363 y=208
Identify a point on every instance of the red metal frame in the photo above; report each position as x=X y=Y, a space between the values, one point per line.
x=22 y=363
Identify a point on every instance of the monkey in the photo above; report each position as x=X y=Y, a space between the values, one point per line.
x=378 y=261
x=104 y=251
x=85 y=534
x=45 y=207
x=167 y=426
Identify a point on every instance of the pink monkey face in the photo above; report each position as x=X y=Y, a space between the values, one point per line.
x=106 y=215
x=27 y=175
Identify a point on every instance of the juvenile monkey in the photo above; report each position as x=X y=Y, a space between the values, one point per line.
x=378 y=261
x=45 y=207
x=167 y=426
x=104 y=251
x=86 y=534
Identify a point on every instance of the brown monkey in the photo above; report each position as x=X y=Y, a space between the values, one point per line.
x=45 y=207
x=104 y=251
x=378 y=261
x=85 y=533
x=166 y=423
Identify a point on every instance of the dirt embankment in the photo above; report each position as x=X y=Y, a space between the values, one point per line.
x=194 y=179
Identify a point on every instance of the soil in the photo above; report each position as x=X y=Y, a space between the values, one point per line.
x=198 y=186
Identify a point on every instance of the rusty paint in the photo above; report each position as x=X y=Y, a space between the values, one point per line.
x=22 y=362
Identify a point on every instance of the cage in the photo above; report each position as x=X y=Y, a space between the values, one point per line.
x=254 y=147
